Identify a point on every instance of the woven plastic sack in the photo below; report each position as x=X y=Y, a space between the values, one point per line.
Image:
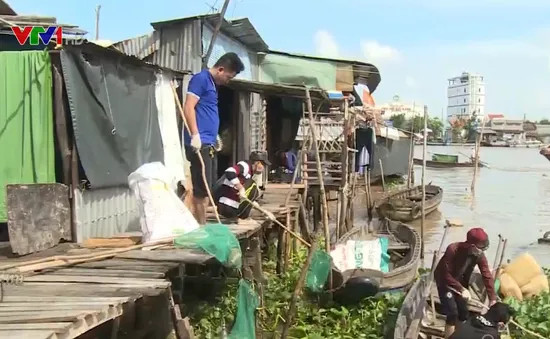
x=318 y=271
x=245 y=321
x=216 y=240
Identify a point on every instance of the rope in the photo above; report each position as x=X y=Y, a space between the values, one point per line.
x=201 y=160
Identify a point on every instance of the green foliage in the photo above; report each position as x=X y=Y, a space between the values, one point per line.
x=531 y=313
x=401 y=122
x=369 y=320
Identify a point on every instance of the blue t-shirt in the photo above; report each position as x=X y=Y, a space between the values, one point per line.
x=208 y=121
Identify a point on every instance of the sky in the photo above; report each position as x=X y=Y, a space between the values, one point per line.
x=416 y=44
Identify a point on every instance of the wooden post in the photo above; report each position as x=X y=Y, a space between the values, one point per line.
x=411 y=153
x=476 y=160
x=344 y=185
x=215 y=35
x=298 y=289
x=424 y=146
x=319 y=171
x=97 y=9
x=382 y=176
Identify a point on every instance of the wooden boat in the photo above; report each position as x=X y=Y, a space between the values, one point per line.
x=417 y=319
x=545 y=152
x=406 y=205
x=442 y=164
x=352 y=286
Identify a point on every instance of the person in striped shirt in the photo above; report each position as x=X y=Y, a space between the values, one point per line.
x=236 y=191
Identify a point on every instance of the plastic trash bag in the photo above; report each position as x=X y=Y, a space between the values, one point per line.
x=245 y=321
x=214 y=239
x=318 y=271
x=162 y=214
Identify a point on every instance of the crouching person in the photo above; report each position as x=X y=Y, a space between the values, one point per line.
x=236 y=191
x=485 y=326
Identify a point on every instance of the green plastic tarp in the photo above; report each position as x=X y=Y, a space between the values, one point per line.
x=26 y=121
x=284 y=69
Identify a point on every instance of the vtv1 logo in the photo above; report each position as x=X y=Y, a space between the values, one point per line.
x=36 y=34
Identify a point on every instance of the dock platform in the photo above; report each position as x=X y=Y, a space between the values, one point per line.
x=123 y=296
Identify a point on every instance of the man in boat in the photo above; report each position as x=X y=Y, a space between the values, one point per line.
x=485 y=326
x=236 y=191
x=473 y=154
x=452 y=276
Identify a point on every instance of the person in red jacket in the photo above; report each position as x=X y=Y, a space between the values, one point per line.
x=452 y=276
x=236 y=191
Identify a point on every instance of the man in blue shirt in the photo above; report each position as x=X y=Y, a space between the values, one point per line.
x=201 y=114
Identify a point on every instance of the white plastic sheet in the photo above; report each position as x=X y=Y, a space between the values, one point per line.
x=162 y=213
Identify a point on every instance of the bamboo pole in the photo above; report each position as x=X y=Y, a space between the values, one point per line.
x=476 y=160
x=344 y=188
x=204 y=179
x=382 y=176
x=319 y=171
x=411 y=151
x=298 y=289
x=424 y=146
x=497 y=255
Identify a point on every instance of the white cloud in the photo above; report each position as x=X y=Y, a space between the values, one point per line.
x=516 y=73
x=373 y=51
x=325 y=44
x=516 y=70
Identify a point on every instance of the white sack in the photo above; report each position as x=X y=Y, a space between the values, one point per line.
x=162 y=213
x=353 y=254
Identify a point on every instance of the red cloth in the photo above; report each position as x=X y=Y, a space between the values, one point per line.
x=478 y=237
x=453 y=263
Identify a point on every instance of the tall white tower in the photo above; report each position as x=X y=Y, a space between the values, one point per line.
x=465 y=96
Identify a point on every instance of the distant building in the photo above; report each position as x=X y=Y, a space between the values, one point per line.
x=396 y=107
x=465 y=96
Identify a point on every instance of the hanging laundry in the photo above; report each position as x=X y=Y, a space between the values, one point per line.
x=363 y=160
x=365 y=137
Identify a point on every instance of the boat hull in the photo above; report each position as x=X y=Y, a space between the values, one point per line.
x=439 y=164
x=406 y=205
x=416 y=306
x=352 y=286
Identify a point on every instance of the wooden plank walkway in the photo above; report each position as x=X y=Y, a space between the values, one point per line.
x=70 y=301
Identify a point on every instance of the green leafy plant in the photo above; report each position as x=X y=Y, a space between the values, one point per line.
x=313 y=319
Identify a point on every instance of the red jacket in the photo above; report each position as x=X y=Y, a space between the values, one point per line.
x=239 y=173
x=454 y=269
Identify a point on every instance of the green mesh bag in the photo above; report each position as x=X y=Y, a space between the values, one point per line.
x=318 y=271
x=214 y=239
x=245 y=321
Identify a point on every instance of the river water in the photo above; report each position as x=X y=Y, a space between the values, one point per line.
x=512 y=198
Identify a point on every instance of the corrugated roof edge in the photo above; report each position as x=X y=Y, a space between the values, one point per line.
x=112 y=51
x=5 y=8
x=290 y=90
x=212 y=20
x=306 y=56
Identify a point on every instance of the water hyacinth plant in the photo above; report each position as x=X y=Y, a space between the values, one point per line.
x=373 y=319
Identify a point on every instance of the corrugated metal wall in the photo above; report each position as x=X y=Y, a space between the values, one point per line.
x=105 y=212
x=180 y=47
x=141 y=46
x=223 y=45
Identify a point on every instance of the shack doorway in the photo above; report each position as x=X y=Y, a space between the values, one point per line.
x=228 y=112
x=282 y=122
